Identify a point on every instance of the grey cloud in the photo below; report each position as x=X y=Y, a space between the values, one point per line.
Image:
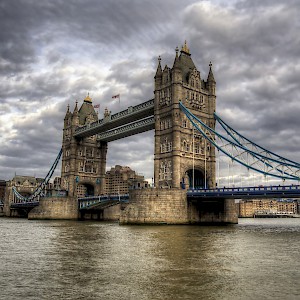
x=254 y=47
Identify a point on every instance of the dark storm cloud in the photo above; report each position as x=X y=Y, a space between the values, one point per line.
x=54 y=52
x=255 y=50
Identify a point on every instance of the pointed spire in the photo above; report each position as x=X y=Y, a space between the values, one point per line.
x=185 y=49
x=176 y=50
x=159 y=70
x=210 y=77
x=68 y=111
x=76 y=107
x=88 y=98
x=176 y=60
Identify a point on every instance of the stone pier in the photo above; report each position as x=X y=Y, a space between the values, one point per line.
x=55 y=208
x=171 y=206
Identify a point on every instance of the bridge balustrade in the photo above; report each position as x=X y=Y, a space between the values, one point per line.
x=91 y=201
x=119 y=115
x=246 y=192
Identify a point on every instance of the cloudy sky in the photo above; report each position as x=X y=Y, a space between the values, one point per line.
x=54 y=52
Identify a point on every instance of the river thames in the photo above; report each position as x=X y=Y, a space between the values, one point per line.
x=256 y=259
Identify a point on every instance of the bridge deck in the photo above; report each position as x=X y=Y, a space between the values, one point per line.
x=100 y=202
x=131 y=114
x=291 y=191
x=127 y=130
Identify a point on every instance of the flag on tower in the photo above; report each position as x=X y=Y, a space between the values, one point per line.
x=97 y=106
x=116 y=96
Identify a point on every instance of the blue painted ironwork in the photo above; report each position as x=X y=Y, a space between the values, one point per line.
x=247 y=192
x=39 y=190
x=261 y=163
x=242 y=140
x=91 y=202
x=128 y=130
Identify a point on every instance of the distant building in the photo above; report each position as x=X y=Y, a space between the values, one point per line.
x=120 y=179
x=26 y=185
x=2 y=190
x=251 y=208
x=289 y=206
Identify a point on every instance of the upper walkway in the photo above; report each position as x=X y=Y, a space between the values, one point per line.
x=124 y=117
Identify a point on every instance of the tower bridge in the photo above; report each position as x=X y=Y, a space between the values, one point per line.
x=183 y=116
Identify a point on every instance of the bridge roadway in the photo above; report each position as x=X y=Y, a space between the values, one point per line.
x=287 y=191
x=100 y=202
x=130 y=115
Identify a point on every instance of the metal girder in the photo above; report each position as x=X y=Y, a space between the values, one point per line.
x=127 y=130
x=131 y=114
x=41 y=187
x=257 y=160
x=246 y=192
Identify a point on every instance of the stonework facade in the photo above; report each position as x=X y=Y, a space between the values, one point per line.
x=182 y=156
x=83 y=160
x=120 y=179
x=2 y=190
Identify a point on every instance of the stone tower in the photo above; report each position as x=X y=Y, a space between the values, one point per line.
x=84 y=159
x=182 y=156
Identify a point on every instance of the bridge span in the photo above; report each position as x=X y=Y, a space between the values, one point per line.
x=119 y=120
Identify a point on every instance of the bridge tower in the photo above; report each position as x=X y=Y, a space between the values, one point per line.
x=182 y=156
x=83 y=159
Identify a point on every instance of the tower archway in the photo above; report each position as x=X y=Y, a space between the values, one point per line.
x=196 y=179
x=85 y=190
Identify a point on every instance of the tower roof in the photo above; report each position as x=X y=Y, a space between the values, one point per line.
x=88 y=98
x=86 y=110
x=185 y=49
x=184 y=62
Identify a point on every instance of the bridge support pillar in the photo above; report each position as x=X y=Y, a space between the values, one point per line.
x=55 y=208
x=171 y=206
x=156 y=206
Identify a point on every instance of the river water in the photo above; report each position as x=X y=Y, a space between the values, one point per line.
x=256 y=259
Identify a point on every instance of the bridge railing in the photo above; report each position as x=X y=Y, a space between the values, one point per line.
x=126 y=128
x=275 y=191
x=248 y=189
x=89 y=201
x=118 y=115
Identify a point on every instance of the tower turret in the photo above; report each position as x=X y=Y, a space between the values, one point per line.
x=75 y=116
x=158 y=74
x=211 y=86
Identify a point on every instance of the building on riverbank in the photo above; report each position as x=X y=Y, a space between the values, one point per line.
x=268 y=207
x=2 y=196
x=119 y=179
